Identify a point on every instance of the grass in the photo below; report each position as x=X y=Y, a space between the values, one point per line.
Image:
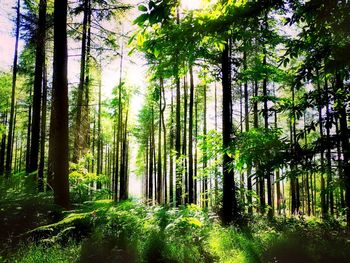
x=103 y=231
x=33 y=230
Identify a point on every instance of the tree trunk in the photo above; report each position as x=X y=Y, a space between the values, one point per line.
x=8 y=166
x=184 y=143
x=344 y=137
x=190 y=141
x=29 y=125
x=165 y=184
x=178 y=145
x=124 y=163
x=43 y=131
x=60 y=107
x=323 y=196
x=99 y=138
x=329 y=192
x=117 y=152
x=171 y=138
x=205 y=153
x=3 y=147
x=195 y=190
x=159 y=163
x=38 y=81
x=246 y=115
x=78 y=140
x=229 y=209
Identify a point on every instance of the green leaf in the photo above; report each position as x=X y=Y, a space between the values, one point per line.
x=142 y=8
x=140 y=20
x=140 y=39
x=156 y=52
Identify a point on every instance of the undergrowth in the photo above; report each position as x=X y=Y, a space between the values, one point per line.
x=103 y=231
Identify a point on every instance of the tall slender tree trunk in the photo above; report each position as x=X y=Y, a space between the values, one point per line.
x=216 y=176
x=8 y=165
x=246 y=115
x=43 y=131
x=205 y=152
x=323 y=190
x=146 y=171
x=3 y=147
x=171 y=162
x=178 y=145
x=159 y=163
x=60 y=107
x=195 y=182
x=256 y=125
x=344 y=137
x=266 y=121
x=329 y=192
x=184 y=142
x=38 y=81
x=124 y=163
x=29 y=132
x=99 y=138
x=190 y=141
x=165 y=183
x=151 y=148
x=78 y=138
x=117 y=152
x=230 y=207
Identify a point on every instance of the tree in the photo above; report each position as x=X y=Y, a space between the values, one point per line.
x=38 y=81
x=8 y=166
x=229 y=204
x=59 y=111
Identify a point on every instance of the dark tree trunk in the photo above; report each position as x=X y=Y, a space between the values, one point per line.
x=196 y=151
x=146 y=171
x=329 y=192
x=171 y=138
x=43 y=131
x=178 y=145
x=38 y=81
x=8 y=166
x=99 y=138
x=165 y=183
x=184 y=143
x=151 y=149
x=229 y=209
x=29 y=132
x=323 y=196
x=124 y=163
x=246 y=115
x=190 y=141
x=344 y=137
x=205 y=153
x=78 y=140
x=159 y=163
x=60 y=107
x=3 y=148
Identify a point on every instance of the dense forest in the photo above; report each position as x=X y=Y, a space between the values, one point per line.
x=175 y=131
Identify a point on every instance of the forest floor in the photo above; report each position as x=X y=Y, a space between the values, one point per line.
x=34 y=230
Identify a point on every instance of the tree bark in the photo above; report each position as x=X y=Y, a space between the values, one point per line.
x=43 y=130
x=8 y=166
x=60 y=107
x=229 y=209
x=344 y=137
x=190 y=141
x=78 y=138
x=38 y=81
x=178 y=145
